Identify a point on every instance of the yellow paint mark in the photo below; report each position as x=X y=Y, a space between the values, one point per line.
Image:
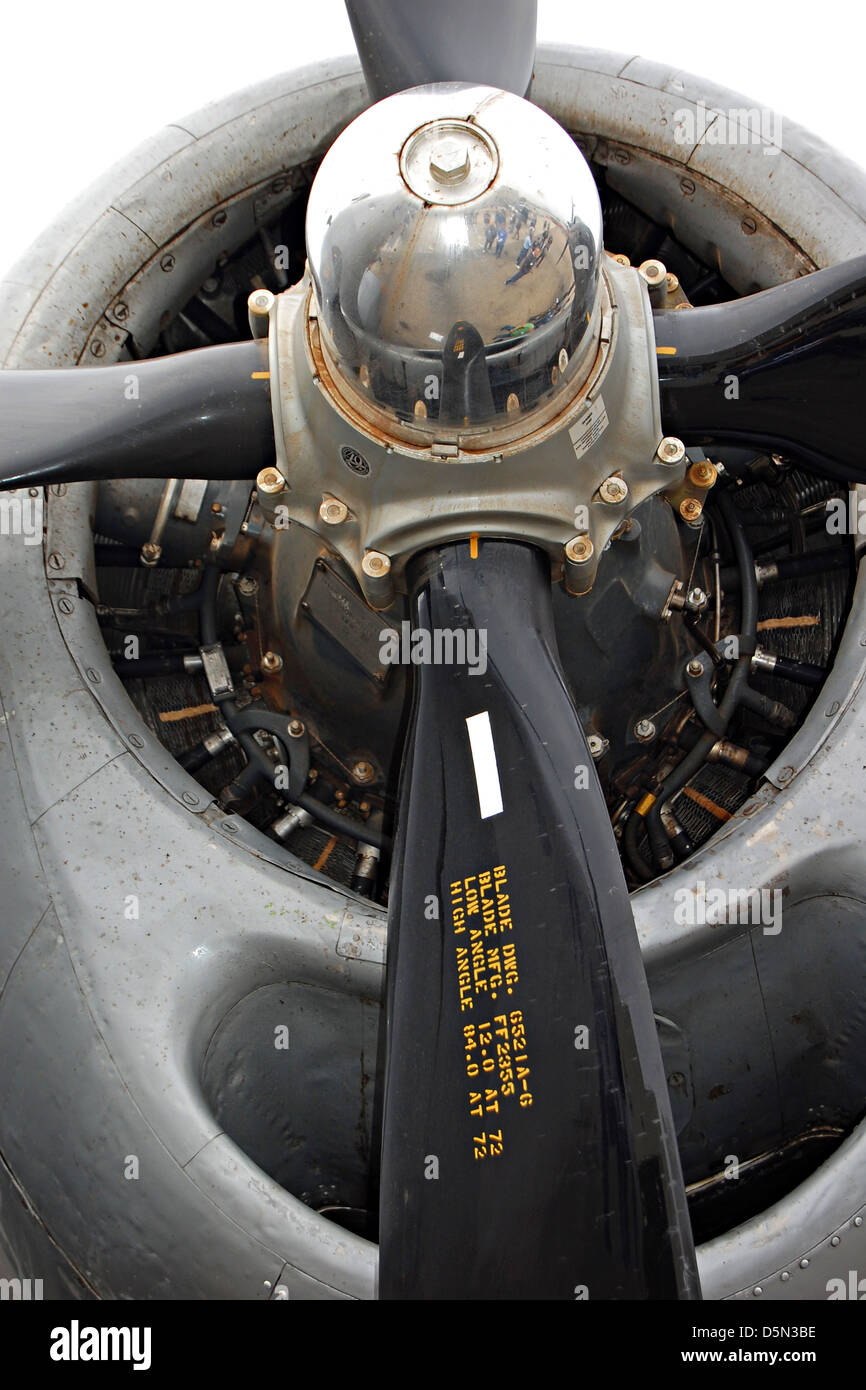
x=326 y=853
x=718 y=811
x=666 y=351
x=260 y=376
x=473 y=545
x=645 y=804
x=172 y=716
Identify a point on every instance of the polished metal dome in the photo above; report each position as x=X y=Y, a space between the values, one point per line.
x=454 y=240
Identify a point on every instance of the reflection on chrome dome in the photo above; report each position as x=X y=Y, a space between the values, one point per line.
x=454 y=241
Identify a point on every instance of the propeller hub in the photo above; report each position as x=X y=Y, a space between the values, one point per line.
x=454 y=242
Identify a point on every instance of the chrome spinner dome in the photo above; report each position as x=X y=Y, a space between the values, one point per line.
x=454 y=241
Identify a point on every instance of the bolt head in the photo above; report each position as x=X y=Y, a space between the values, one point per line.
x=644 y=730
x=333 y=512
x=613 y=490
x=579 y=550
x=695 y=668
x=363 y=772
x=697 y=597
x=375 y=564
x=653 y=272
x=295 y=728
x=449 y=162
x=272 y=661
x=150 y=553
x=270 y=480
x=671 y=450
x=691 y=509
x=260 y=302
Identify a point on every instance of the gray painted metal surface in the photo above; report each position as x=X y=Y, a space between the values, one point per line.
x=110 y=1059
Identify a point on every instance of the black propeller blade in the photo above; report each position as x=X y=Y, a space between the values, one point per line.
x=528 y=1148
x=202 y=414
x=403 y=45
x=782 y=370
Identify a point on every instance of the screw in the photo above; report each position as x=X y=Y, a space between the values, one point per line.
x=449 y=162
x=749 y=226
x=248 y=585
x=363 y=772
x=66 y=605
x=333 y=512
x=690 y=510
x=190 y=798
x=579 y=549
x=58 y=490
x=613 y=490
x=671 y=450
x=93 y=675
x=687 y=185
x=270 y=480
x=695 y=668
x=644 y=731
x=121 y=311
x=671 y=282
x=622 y=156
x=785 y=774
x=598 y=746
x=167 y=262
x=219 y=218
x=56 y=560
x=136 y=740
x=271 y=662
x=295 y=728
x=97 y=347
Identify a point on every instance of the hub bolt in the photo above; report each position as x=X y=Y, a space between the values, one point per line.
x=613 y=490
x=644 y=730
x=671 y=450
x=333 y=512
x=270 y=480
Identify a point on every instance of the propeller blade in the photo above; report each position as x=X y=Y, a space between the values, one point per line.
x=528 y=1149
x=404 y=44
x=201 y=414
x=781 y=370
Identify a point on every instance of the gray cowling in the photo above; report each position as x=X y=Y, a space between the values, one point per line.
x=107 y=1019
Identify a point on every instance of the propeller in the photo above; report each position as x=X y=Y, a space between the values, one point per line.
x=781 y=370
x=198 y=414
x=400 y=45
x=528 y=1147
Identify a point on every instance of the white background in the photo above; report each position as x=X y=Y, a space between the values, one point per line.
x=83 y=81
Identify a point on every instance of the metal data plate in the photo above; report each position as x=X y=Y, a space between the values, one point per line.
x=337 y=610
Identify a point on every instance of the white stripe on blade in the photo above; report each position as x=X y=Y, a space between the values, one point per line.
x=484 y=760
